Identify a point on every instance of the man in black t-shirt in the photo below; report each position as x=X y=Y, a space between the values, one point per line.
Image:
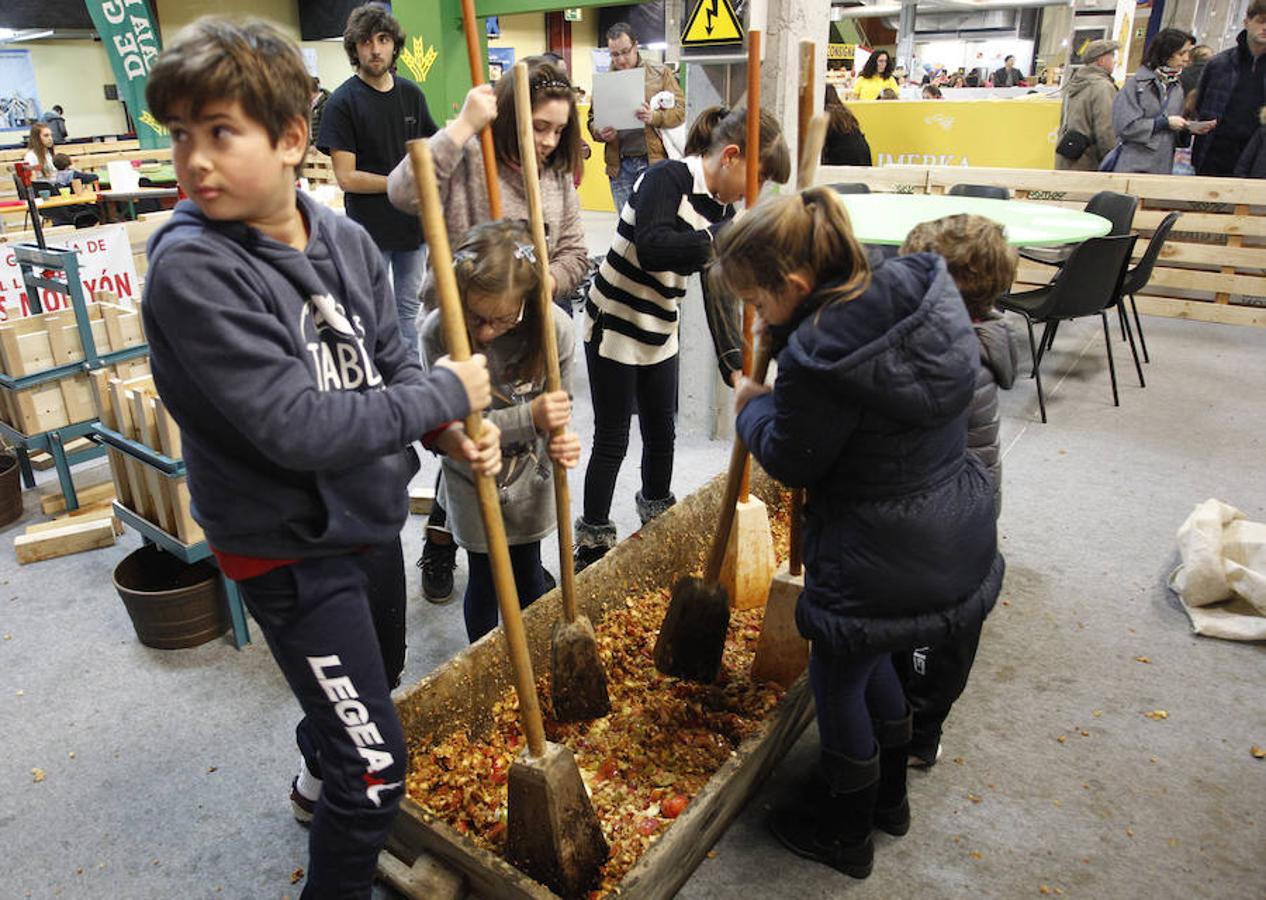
x=364 y=127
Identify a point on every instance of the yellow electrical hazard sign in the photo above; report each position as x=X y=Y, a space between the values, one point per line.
x=713 y=22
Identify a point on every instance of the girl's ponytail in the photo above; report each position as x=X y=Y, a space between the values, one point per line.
x=718 y=126
x=699 y=140
x=808 y=231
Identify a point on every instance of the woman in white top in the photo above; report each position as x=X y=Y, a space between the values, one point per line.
x=39 y=155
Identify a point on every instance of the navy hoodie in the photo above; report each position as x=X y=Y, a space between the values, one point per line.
x=295 y=396
x=869 y=412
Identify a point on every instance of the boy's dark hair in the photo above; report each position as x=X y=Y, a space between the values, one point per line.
x=976 y=252
x=718 y=126
x=547 y=82
x=1255 y=9
x=495 y=259
x=366 y=21
x=1167 y=42
x=58 y=109
x=249 y=61
x=61 y=161
x=620 y=28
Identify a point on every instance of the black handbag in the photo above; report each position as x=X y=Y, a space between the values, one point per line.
x=1072 y=145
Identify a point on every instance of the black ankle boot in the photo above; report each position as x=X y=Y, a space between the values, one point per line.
x=892 y=808
x=831 y=822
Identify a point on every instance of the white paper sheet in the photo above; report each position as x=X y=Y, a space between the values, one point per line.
x=616 y=97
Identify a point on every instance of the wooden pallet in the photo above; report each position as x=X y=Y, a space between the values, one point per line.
x=133 y=408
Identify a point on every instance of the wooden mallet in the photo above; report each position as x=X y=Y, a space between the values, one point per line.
x=552 y=832
x=749 y=560
x=578 y=684
x=471 y=26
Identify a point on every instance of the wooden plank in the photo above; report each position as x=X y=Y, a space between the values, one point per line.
x=168 y=431
x=1233 y=240
x=1213 y=223
x=120 y=476
x=55 y=503
x=75 y=538
x=122 y=410
x=40 y=408
x=1202 y=311
x=188 y=530
x=142 y=502
x=1206 y=189
x=1180 y=251
x=143 y=416
x=77 y=395
x=421 y=499
x=11 y=352
x=114 y=333
x=42 y=461
x=36 y=351
x=92 y=514
x=1222 y=281
x=886 y=178
x=99 y=379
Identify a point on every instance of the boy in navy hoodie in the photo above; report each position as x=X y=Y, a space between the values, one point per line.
x=275 y=345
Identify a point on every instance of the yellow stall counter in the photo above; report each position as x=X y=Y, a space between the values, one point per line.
x=1011 y=134
x=595 y=187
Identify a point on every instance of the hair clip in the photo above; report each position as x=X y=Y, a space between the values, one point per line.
x=462 y=256
x=550 y=83
x=525 y=251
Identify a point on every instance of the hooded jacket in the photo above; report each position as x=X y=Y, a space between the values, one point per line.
x=998 y=363
x=295 y=396
x=869 y=413
x=1088 y=109
x=1252 y=162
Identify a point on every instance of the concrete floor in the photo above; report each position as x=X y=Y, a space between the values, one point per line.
x=167 y=772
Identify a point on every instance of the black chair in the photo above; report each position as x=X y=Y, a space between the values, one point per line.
x=850 y=187
x=1137 y=278
x=1090 y=283
x=991 y=191
x=1116 y=208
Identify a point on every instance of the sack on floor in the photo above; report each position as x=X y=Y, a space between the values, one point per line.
x=1222 y=577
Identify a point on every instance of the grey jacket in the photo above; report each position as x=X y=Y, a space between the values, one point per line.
x=998 y=363
x=526 y=482
x=1088 y=109
x=1139 y=115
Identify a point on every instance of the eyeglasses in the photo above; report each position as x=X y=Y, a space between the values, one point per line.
x=497 y=323
x=616 y=54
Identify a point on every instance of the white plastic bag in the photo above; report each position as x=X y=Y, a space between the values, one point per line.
x=674 y=139
x=1222 y=577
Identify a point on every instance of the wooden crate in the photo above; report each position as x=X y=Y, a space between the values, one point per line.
x=458 y=696
x=132 y=407
x=56 y=404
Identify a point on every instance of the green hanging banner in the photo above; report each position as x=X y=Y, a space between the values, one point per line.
x=127 y=31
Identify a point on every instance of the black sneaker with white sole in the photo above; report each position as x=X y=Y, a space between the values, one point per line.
x=439 y=559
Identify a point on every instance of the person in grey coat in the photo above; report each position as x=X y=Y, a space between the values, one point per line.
x=495 y=265
x=1147 y=112
x=983 y=267
x=1087 y=107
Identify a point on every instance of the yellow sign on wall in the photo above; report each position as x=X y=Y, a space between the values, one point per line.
x=1018 y=134
x=841 y=51
x=713 y=22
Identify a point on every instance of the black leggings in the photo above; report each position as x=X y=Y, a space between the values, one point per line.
x=614 y=387
x=850 y=693
x=480 y=602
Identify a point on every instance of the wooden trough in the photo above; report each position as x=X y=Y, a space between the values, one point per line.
x=459 y=695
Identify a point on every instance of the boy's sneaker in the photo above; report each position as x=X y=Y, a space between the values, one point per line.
x=301 y=806
x=923 y=758
x=439 y=559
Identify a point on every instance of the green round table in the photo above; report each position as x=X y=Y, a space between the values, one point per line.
x=888 y=218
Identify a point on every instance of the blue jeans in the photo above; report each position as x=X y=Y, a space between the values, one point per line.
x=622 y=184
x=406 y=268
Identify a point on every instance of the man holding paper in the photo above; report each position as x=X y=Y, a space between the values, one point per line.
x=624 y=120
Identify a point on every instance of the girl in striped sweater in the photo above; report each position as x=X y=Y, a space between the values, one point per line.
x=664 y=236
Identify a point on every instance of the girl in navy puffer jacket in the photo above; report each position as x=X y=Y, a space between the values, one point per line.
x=876 y=371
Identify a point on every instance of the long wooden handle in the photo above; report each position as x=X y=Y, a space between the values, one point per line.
x=739 y=467
x=471 y=25
x=545 y=302
x=749 y=200
x=808 y=86
x=811 y=152
x=458 y=343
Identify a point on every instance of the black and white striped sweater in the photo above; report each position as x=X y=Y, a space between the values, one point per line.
x=663 y=237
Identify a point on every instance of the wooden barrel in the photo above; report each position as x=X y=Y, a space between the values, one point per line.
x=10 y=489
x=172 y=604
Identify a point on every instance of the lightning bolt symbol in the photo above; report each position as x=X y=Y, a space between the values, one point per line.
x=710 y=10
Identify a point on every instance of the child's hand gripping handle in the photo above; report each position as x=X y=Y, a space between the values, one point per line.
x=457 y=341
x=553 y=376
x=471 y=26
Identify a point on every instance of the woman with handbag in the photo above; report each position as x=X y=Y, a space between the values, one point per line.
x=1147 y=113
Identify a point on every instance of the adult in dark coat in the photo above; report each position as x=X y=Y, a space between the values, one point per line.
x=876 y=372
x=1252 y=162
x=845 y=144
x=1232 y=90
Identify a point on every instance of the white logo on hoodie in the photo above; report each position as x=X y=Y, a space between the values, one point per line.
x=340 y=361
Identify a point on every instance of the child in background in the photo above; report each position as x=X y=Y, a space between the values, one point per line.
x=876 y=371
x=274 y=343
x=66 y=173
x=664 y=235
x=495 y=265
x=983 y=265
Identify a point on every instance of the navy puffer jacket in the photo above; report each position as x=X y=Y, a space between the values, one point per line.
x=869 y=413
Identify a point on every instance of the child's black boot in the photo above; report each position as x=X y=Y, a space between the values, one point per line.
x=831 y=822
x=892 y=809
